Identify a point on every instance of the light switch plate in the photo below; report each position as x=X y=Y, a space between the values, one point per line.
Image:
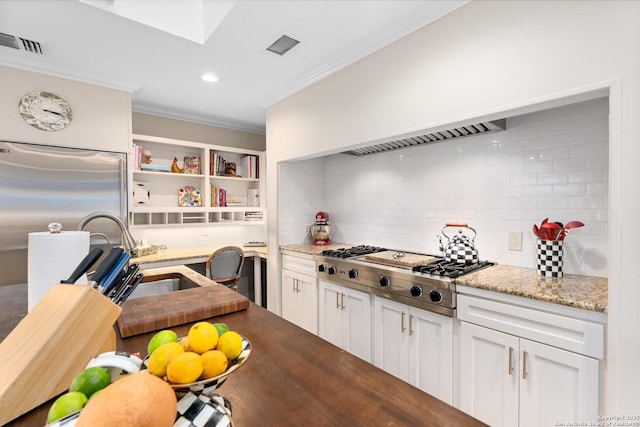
x=514 y=241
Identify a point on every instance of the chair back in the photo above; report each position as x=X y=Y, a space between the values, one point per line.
x=224 y=266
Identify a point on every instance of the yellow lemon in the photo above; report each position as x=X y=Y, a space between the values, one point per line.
x=214 y=363
x=185 y=368
x=185 y=344
x=203 y=336
x=230 y=344
x=161 y=357
x=160 y=338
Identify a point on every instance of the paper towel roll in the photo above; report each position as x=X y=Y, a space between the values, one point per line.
x=52 y=257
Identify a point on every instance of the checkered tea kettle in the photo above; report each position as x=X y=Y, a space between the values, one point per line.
x=459 y=249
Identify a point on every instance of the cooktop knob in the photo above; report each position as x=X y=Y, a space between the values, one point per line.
x=353 y=273
x=331 y=270
x=416 y=291
x=321 y=268
x=435 y=296
x=384 y=281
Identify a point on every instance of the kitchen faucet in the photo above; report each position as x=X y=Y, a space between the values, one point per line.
x=128 y=241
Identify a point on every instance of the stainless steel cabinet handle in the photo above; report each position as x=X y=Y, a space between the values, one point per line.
x=510 y=372
x=337 y=299
x=410 y=324
x=402 y=328
x=342 y=301
x=524 y=365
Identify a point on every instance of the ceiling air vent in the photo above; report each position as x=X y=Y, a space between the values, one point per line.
x=459 y=132
x=21 y=44
x=283 y=45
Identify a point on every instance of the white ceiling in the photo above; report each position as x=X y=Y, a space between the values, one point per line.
x=162 y=70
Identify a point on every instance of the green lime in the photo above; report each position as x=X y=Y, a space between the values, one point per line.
x=221 y=327
x=160 y=338
x=91 y=380
x=66 y=404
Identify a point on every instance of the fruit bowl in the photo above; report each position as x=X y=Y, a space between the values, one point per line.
x=211 y=384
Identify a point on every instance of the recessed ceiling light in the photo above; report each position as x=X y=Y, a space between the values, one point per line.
x=210 y=78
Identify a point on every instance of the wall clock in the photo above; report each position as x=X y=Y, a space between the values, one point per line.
x=45 y=111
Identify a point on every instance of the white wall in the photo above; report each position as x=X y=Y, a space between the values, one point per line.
x=485 y=59
x=101 y=116
x=552 y=163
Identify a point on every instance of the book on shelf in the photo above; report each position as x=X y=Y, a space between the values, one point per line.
x=250 y=167
x=217 y=165
x=219 y=197
x=154 y=168
x=234 y=203
x=253 y=216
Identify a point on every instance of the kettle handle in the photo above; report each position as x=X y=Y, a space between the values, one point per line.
x=458 y=224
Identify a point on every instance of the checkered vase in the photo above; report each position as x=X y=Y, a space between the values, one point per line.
x=550 y=258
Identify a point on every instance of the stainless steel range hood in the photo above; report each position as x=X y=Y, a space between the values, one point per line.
x=445 y=135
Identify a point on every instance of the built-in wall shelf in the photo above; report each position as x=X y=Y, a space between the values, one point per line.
x=218 y=185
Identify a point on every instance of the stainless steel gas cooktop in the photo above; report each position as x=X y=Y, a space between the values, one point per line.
x=430 y=286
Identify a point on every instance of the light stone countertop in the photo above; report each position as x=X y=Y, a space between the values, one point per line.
x=309 y=249
x=584 y=292
x=191 y=255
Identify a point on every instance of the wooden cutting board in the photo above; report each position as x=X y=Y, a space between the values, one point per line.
x=157 y=312
x=408 y=260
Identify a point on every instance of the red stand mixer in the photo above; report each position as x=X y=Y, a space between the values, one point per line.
x=320 y=230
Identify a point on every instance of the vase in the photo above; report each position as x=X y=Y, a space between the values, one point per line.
x=550 y=258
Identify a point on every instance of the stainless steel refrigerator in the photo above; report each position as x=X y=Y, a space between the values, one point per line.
x=41 y=184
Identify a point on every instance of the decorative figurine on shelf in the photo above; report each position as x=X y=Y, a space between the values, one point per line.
x=174 y=166
x=146 y=157
x=230 y=169
x=189 y=196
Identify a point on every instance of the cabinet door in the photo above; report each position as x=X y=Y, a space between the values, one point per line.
x=431 y=353
x=489 y=375
x=290 y=298
x=356 y=318
x=390 y=337
x=330 y=312
x=556 y=386
x=307 y=288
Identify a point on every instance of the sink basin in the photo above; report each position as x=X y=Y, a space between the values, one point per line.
x=156 y=285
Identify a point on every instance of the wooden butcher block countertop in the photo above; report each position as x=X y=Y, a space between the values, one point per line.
x=400 y=259
x=204 y=299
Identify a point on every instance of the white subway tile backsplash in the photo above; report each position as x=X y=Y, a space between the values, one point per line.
x=551 y=163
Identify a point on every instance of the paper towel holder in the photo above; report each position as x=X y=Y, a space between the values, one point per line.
x=55 y=227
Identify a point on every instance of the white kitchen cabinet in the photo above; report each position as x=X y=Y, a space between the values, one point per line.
x=300 y=300
x=345 y=318
x=514 y=370
x=414 y=345
x=300 y=291
x=161 y=208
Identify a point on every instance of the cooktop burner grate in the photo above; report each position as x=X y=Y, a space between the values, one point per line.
x=353 y=251
x=450 y=269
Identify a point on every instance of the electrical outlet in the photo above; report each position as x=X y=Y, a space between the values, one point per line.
x=514 y=241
